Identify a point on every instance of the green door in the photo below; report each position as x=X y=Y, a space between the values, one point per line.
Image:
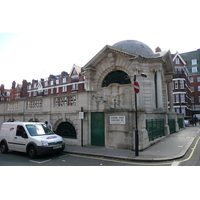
x=97 y=129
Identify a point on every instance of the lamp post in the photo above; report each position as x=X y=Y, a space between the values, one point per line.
x=136 y=121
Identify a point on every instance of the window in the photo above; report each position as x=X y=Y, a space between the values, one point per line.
x=182 y=97
x=181 y=84
x=177 y=61
x=51 y=82
x=194 y=69
x=198 y=78
x=51 y=90
x=118 y=76
x=64 y=80
x=57 y=90
x=64 y=89
x=192 y=99
x=35 y=85
x=64 y=101
x=46 y=83
x=73 y=101
x=57 y=81
x=198 y=88
x=66 y=130
x=75 y=86
x=191 y=79
x=176 y=84
x=20 y=131
x=194 y=61
x=177 y=98
x=199 y=98
x=192 y=88
x=45 y=92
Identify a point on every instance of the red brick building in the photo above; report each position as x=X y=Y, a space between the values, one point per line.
x=57 y=84
x=181 y=87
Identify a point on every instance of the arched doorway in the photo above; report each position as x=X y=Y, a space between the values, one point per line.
x=66 y=130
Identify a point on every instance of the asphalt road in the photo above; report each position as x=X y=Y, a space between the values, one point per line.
x=192 y=157
x=13 y=158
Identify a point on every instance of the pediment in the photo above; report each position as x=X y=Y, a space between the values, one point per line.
x=108 y=52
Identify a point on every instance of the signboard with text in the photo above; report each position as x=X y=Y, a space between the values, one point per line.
x=117 y=120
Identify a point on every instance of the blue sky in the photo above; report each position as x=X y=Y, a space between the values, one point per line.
x=54 y=35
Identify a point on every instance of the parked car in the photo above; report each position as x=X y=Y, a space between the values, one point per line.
x=187 y=122
x=190 y=121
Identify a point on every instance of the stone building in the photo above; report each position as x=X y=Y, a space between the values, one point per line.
x=107 y=99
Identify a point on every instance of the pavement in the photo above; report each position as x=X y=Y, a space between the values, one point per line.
x=170 y=147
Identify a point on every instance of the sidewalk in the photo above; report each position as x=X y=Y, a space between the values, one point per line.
x=172 y=147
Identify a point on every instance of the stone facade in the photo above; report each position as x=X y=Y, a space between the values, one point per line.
x=108 y=101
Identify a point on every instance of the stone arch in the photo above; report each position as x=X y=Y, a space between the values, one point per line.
x=117 y=76
x=33 y=120
x=65 y=129
x=106 y=72
x=11 y=120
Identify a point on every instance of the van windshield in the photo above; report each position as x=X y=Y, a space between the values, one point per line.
x=38 y=129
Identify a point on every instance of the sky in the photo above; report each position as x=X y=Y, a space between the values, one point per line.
x=39 y=38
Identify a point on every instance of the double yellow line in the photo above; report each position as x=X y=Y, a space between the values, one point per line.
x=136 y=163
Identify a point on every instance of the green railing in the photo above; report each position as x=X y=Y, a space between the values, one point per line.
x=172 y=125
x=155 y=128
x=180 y=122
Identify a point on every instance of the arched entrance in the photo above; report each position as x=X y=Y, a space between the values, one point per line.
x=66 y=130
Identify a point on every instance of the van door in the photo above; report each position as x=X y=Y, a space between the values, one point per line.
x=20 y=139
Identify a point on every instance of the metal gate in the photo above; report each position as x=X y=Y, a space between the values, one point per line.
x=155 y=128
x=97 y=129
x=172 y=125
x=66 y=130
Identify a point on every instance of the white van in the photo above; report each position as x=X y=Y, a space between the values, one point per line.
x=30 y=137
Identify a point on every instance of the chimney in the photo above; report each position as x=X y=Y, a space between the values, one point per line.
x=158 y=49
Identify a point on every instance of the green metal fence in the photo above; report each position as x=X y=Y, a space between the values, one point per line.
x=155 y=128
x=180 y=122
x=172 y=125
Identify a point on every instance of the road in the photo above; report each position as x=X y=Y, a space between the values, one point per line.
x=63 y=159
x=192 y=158
x=12 y=158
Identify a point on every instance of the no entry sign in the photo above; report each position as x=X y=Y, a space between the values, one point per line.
x=136 y=87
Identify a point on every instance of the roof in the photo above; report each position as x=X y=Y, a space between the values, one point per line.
x=178 y=55
x=135 y=47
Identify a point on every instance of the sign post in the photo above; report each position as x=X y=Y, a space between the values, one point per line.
x=81 y=116
x=136 y=89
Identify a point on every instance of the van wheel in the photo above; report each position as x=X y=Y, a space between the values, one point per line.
x=32 y=152
x=4 y=147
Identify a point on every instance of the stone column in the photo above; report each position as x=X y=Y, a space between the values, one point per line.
x=171 y=97
x=159 y=89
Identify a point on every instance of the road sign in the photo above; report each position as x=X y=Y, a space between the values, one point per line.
x=136 y=87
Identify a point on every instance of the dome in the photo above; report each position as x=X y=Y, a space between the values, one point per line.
x=135 y=47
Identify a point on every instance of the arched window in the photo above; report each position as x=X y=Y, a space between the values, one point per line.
x=66 y=130
x=118 y=76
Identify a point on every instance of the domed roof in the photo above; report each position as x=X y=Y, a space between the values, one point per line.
x=135 y=47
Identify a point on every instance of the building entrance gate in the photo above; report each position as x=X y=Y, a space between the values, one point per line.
x=97 y=129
